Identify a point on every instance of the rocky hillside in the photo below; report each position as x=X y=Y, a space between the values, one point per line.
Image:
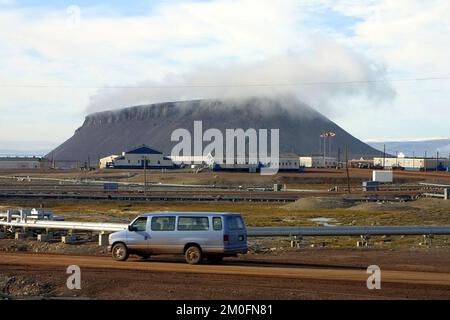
x=112 y=132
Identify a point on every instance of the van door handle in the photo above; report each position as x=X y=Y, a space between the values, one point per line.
x=146 y=237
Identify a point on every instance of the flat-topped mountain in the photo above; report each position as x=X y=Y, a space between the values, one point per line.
x=111 y=132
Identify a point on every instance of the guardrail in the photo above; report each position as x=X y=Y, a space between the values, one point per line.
x=66 y=225
x=348 y=231
x=439 y=185
x=434 y=195
x=251 y=232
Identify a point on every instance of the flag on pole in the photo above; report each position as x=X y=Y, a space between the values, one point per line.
x=328 y=135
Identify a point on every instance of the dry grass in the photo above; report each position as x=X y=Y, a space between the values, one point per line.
x=422 y=212
x=425 y=211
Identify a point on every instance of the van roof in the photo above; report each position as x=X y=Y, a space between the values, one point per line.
x=173 y=213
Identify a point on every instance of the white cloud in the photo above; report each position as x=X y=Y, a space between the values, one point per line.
x=260 y=41
x=7 y=2
x=271 y=76
x=412 y=38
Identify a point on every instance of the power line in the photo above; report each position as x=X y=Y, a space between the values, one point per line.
x=225 y=85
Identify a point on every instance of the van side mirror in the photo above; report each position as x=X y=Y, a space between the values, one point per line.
x=131 y=228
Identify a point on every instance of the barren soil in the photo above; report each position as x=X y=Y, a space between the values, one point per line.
x=304 y=274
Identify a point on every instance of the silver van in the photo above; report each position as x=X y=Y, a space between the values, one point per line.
x=193 y=234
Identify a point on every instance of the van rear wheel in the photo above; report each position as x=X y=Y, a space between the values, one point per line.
x=120 y=252
x=193 y=255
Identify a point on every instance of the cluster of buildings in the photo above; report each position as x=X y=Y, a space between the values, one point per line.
x=35 y=162
x=152 y=159
x=413 y=163
x=145 y=157
x=17 y=162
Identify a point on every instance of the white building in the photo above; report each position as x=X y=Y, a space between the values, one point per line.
x=139 y=158
x=107 y=161
x=285 y=162
x=23 y=163
x=207 y=160
x=318 y=161
x=413 y=163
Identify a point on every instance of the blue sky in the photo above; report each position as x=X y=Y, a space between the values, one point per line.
x=171 y=43
x=120 y=7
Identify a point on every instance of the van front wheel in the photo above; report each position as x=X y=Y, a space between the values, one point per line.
x=120 y=252
x=193 y=255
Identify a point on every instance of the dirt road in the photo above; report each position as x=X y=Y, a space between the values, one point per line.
x=105 y=278
x=336 y=274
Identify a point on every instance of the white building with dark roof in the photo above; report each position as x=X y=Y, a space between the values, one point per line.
x=138 y=158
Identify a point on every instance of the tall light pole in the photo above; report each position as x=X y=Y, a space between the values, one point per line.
x=324 y=148
x=346 y=169
x=145 y=176
x=425 y=161
x=437 y=160
x=329 y=146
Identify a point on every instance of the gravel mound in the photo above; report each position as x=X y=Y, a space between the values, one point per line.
x=312 y=203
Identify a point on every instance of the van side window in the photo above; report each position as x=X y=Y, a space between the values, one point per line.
x=163 y=223
x=217 y=223
x=140 y=224
x=193 y=223
x=235 y=223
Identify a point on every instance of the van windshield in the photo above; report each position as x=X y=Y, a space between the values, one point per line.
x=235 y=223
x=139 y=224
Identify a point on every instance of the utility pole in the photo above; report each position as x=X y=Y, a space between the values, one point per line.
x=425 y=162
x=145 y=176
x=346 y=167
x=437 y=160
x=339 y=157
x=329 y=146
x=324 y=148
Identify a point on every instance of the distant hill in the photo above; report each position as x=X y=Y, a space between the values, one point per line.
x=417 y=147
x=111 y=132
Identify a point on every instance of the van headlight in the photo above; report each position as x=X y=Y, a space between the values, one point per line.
x=110 y=238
